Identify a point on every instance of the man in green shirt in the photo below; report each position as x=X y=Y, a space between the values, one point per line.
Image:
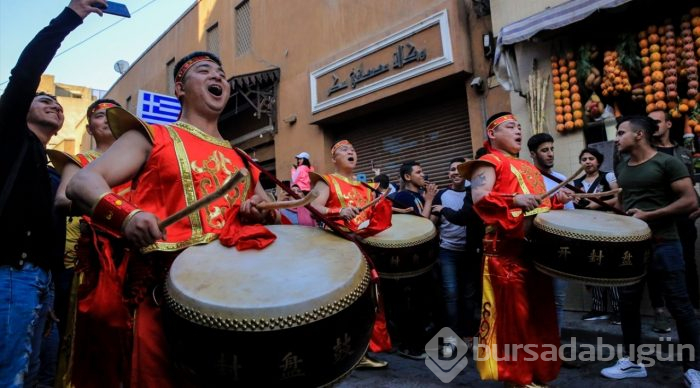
x=655 y=188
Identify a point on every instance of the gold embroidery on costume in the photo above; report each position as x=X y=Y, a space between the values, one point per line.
x=187 y=181
x=209 y=173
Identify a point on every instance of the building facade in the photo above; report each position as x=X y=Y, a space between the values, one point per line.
x=394 y=77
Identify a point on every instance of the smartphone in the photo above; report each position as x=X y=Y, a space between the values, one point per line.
x=117 y=9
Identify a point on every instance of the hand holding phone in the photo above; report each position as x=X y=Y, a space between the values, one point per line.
x=117 y=9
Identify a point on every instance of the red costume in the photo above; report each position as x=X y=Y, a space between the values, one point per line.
x=350 y=193
x=185 y=164
x=518 y=303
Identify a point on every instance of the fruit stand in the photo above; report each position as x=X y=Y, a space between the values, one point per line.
x=633 y=72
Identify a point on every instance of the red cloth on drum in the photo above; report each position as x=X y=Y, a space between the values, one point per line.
x=380 y=340
x=518 y=302
x=245 y=236
x=345 y=192
x=186 y=164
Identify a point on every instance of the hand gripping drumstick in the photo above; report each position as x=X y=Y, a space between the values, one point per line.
x=265 y=205
x=562 y=184
x=220 y=192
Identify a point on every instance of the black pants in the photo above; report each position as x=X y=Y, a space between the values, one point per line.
x=688 y=235
x=667 y=263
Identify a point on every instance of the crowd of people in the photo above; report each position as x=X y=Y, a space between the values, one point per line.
x=87 y=252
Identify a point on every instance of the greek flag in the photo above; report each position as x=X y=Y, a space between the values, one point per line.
x=157 y=108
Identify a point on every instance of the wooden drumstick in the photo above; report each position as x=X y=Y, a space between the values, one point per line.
x=265 y=205
x=597 y=195
x=206 y=200
x=372 y=203
x=562 y=184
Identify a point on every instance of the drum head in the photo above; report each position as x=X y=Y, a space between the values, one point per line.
x=305 y=275
x=593 y=225
x=406 y=231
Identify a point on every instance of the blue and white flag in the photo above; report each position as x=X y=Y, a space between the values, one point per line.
x=157 y=108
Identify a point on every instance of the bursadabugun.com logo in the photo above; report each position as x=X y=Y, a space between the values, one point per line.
x=645 y=354
x=447 y=353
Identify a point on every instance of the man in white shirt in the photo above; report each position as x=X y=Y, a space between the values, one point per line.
x=541 y=148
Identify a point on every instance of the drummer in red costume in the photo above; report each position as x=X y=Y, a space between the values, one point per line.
x=518 y=304
x=78 y=353
x=170 y=166
x=341 y=198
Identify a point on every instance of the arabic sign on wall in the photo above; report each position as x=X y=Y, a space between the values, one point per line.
x=413 y=51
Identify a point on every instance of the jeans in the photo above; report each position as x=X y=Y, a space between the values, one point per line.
x=49 y=344
x=461 y=277
x=559 y=286
x=667 y=263
x=23 y=294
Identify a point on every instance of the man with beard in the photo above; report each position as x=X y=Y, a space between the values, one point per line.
x=517 y=304
x=341 y=198
x=541 y=148
x=655 y=189
x=171 y=167
x=31 y=239
x=685 y=223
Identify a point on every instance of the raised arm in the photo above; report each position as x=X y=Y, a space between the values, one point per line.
x=35 y=58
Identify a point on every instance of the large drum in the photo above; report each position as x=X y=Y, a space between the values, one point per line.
x=591 y=246
x=407 y=249
x=298 y=313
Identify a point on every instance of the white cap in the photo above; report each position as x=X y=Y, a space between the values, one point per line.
x=304 y=155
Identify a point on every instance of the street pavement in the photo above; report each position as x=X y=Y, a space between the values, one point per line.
x=409 y=373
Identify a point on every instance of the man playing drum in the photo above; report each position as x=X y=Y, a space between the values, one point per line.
x=655 y=188
x=518 y=304
x=341 y=198
x=171 y=167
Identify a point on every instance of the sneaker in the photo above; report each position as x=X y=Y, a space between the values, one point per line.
x=595 y=315
x=623 y=369
x=413 y=354
x=661 y=324
x=615 y=319
x=692 y=378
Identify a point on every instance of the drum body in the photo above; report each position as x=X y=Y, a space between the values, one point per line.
x=591 y=246
x=407 y=249
x=298 y=313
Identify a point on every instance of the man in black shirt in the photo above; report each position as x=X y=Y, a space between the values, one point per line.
x=409 y=197
x=29 y=239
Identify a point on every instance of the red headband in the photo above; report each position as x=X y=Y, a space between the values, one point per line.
x=338 y=145
x=500 y=121
x=186 y=66
x=102 y=105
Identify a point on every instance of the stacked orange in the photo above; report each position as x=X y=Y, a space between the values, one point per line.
x=653 y=72
x=568 y=107
x=670 y=62
x=615 y=79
